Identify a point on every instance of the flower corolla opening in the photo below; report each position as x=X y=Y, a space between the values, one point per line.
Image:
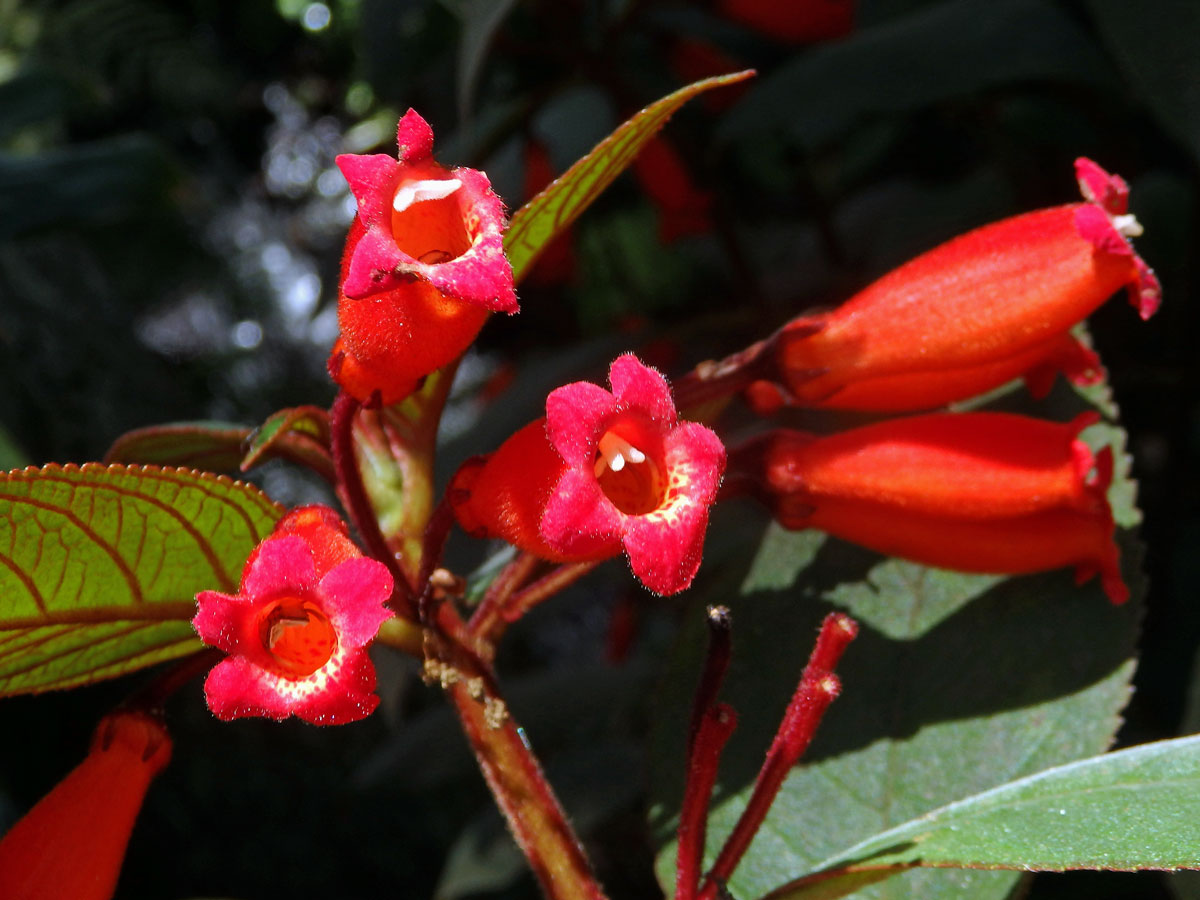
x=297 y=630
x=423 y=266
x=605 y=472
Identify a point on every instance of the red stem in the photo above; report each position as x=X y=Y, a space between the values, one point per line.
x=817 y=689
x=711 y=725
x=490 y=623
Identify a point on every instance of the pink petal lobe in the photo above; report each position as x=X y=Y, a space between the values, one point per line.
x=695 y=458
x=376 y=265
x=236 y=688
x=665 y=551
x=223 y=621
x=579 y=521
x=575 y=414
x=372 y=179
x=637 y=386
x=1110 y=192
x=346 y=696
x=279 y=565
x=414 y=137
x=1096 y=227
x=353 y=593
x=1146 y=294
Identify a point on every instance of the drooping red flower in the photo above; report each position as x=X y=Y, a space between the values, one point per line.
x=991 y=305
x=297 y=630
x=603 y=472
x=71 y=845
x=975 y=492
x=423 y=266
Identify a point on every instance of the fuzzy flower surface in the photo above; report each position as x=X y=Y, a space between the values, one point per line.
x=606 y=471
x=988 y=306
x=297 y=630
x=71 y=845
x=974 y=492
x=423 y=266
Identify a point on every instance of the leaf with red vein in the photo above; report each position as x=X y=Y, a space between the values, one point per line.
x=99 y=566
x=536 y=223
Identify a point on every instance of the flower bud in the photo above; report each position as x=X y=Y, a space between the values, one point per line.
x=975 y=312
x=975 y=492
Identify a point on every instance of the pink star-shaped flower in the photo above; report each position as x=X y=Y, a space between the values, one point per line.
x=605 y=472
x=296 y=636
x=423 y=267
x=426 y=222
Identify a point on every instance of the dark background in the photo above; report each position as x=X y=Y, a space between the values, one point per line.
x=170 y=224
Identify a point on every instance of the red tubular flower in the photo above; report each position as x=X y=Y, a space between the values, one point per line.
x=601 y=473
x=297 y=630
x=976 y=492
x=967 y=316
x=424 y=264
x=70 y=846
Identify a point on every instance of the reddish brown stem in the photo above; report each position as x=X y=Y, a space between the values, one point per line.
x=503 y=586
x=711 y=725
x=817 y=689
x=712 y=381
x=535 y=818
x=488 y=625
x=354 y=495
x=506 y=759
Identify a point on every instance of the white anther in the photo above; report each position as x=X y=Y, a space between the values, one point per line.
x=428 y=189
x=1127 y=225
x=615 y=452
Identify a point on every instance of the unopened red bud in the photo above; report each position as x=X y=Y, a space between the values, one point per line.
x=975 y=492
x=989 y=306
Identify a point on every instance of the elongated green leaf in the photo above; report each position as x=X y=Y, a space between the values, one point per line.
x=212 y=446
x=99 y=566
x=1135 y=809
x=957 y=684
x=536 y=223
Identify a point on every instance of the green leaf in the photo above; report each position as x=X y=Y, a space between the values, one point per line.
x=212 y=446
x=1135 y=809
x=99 y=566
x=536 y=223
x=300 y=433
x=957 y=684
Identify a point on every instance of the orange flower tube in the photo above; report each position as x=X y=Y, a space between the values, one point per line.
x=976 y=492
x=70 y=846
x=979 y=310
